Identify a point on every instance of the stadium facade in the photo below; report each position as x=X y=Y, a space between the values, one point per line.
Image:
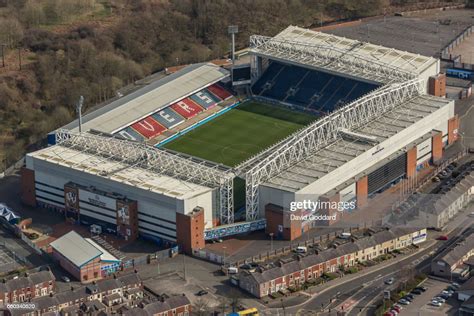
x=382 y=117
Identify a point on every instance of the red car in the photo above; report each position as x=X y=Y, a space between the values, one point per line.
x=443 y=237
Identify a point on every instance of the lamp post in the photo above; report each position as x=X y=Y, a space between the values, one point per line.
x=223 y=260
x=271 y=242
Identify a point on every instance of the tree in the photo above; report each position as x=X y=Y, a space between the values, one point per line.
x=201 y=307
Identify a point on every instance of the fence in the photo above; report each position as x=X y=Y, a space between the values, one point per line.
x=446 y=51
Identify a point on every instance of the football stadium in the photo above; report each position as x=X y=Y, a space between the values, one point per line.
x=209 y=150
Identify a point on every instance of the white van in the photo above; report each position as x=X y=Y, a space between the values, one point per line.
x=301 y=249
x=345 y=235
x=232 y=270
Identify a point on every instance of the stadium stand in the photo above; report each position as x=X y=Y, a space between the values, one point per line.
x=175 y=114
x=148 y=127
x=205 y=99
x=168 y=118
x=131 y=134
x=187 y=108
x=310 y=89
x=220 y=92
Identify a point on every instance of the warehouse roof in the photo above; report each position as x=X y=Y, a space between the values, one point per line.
x=151 y=98
x=342 y=151
x=117 y=171
x=395 y=58
x=75 y=248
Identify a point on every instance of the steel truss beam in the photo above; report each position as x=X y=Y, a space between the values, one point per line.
x=157 y=160
x=307 y=141
x=328 y=57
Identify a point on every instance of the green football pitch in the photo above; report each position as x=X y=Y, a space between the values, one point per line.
x=240 y=133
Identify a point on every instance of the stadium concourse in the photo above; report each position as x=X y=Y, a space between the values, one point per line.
x=184 y=159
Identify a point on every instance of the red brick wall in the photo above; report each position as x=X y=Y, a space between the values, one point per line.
x=362 y=191
x=190 y=231
x=91 y=271
x=453 y=129
x=437 y=85
x=437 y=146
x=411 y=162
x=274 y=217
x=28 y=192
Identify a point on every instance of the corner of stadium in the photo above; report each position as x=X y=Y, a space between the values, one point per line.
x=209 y=152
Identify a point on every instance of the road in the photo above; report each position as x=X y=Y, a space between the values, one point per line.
x=359 y=300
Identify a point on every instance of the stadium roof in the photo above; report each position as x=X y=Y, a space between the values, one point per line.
x=342 y=55
x=150 y=99
x=342 y=151
x=75 y=248
x=118 y=171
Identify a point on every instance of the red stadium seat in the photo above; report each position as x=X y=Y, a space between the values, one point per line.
x=187 y=108
x=219 y=91
x=149 y=128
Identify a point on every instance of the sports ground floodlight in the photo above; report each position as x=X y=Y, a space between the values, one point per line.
x=232 y=30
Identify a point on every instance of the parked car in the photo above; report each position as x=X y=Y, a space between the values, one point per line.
x=416 y=291
x=407 y=298
x=397 y=307
x=436 y=179
x=202 y=292
x=410 y=296
x=389 y=281
x=442 y=237
x=439 y=299
x=388 y=314
x=394 y=312
x=65 y=279
x=404 y=302
x=435 y=303
x=456 y=285
x=421 y=288
x=301 y=249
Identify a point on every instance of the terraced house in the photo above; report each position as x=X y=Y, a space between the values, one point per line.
x=293 y=273
x=25 y=288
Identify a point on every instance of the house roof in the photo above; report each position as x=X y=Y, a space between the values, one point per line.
x=171 y=303
x=460 y=250
x=76 y=249
x=283 y=269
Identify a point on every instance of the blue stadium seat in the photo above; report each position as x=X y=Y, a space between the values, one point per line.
x=307 y=88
